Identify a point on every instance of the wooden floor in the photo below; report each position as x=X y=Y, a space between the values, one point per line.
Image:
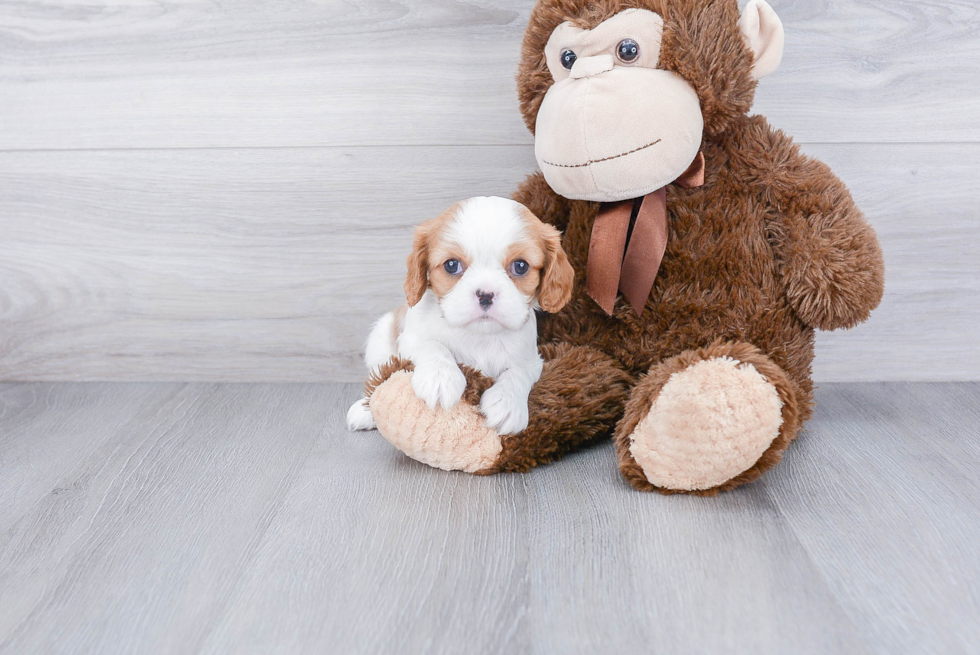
x=187 y=518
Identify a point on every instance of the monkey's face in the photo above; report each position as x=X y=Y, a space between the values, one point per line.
x=619 y=99
x=614 y=126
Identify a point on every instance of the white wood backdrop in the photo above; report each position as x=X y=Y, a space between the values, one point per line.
x=225 y=191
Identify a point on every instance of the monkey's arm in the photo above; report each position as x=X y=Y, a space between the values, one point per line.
x=829 y=256
x=535 y=194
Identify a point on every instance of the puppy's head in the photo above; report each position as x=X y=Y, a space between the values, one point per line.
x=490 y=262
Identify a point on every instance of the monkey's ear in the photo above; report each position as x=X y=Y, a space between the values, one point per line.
x=763 y=32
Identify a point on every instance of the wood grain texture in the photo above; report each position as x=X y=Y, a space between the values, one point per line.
x=372 y=552
x=671 y=575
x=48 y=429
x=271 y=264
x=924 y=202
x=244 y=518
x=884 y=488
x=151 y=530
x=424 y=72
x=243 y=265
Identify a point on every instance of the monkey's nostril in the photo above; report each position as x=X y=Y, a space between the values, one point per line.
x=486 y=299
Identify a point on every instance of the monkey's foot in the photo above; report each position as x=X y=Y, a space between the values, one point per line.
x=707 y=421
x=456 y=439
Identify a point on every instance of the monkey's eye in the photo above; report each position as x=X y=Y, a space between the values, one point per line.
x=568 y=58
x=453 y=266
x=628 y=50
x=519 y=267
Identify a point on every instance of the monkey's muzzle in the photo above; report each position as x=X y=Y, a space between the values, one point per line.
x=617 y=134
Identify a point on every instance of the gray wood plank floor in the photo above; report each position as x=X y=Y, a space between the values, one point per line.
x=194 y=518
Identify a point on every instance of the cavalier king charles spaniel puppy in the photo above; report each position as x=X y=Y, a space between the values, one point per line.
x=476 y=275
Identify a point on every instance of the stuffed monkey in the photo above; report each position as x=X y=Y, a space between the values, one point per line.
x=707 y=249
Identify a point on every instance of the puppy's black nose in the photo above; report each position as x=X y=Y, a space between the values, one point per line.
x=486 y=299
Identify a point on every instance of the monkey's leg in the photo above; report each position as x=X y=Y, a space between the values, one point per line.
x=578 y=399
x=707 y=420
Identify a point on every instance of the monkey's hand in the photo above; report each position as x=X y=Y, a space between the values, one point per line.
x=832 y=265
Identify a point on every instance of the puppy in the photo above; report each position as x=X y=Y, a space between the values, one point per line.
x=476 y=275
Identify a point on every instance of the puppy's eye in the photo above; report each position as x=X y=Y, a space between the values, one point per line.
x=453 y=267
x=628 y=50
x=568 y=59
x=519 y=267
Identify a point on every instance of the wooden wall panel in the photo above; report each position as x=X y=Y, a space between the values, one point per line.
x=269 y=264
x=202 y=190
x=216 y=264
x=923 y=201
x=423 y=72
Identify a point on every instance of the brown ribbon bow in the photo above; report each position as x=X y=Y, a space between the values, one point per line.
x=629 y=239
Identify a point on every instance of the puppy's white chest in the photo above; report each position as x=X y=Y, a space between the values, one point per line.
x=490 y=354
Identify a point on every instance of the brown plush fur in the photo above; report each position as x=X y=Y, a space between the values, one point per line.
x=578 y=399
x=770 y=248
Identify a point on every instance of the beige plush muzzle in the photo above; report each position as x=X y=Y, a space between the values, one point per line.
x=621 y=134
x=610 y=130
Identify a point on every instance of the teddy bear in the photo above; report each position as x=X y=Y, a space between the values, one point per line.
x=707 y=250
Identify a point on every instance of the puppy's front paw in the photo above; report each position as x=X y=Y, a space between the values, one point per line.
x=506 y=412
x=439 y=384
x=359 y=416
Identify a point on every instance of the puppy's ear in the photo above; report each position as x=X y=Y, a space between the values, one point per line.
x=417 y=280
x=558 y=277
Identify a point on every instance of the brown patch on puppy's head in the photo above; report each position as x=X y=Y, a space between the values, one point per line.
x=427 y=248
x=530 y=251
x=553 y=274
